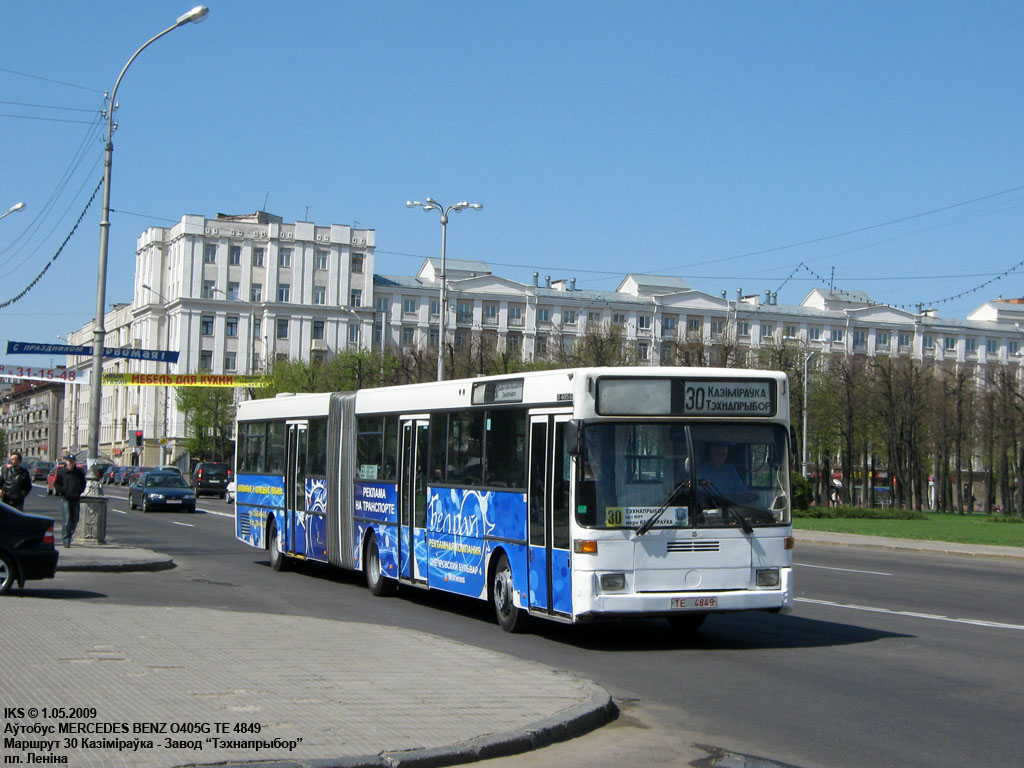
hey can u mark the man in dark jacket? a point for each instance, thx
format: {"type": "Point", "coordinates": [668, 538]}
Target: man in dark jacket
{"type": "Point", "coordinates": [71, 481]}
{"type": "Point", "coordinates": [15, 483]}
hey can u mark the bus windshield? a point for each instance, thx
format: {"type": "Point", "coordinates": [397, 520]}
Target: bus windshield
{"type": "Point", "coordinates": [687, 475]}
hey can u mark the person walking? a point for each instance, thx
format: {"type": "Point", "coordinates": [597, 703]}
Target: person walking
{"type": "Point", "coordinates": [16, 482]}
{"type": "Point", "coordinates": [71, 481]}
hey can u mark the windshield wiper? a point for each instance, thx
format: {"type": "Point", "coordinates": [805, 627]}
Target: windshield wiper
{"type": "Point", "coordinates": [716, 497]}
{"type": "Point", "coordinates": [681, 486]}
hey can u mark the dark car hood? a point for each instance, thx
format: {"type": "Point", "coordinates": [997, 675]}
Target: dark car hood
{"type": "Point", "coordinates": [17, 528]}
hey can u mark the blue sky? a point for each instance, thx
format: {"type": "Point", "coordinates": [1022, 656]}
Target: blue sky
{"type": "Point", "coordinates": [699, 139]}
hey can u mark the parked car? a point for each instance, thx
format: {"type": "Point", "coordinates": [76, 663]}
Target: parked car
{"type": "Point", "coordinates": [170, 468]}
{"type": "Point", "coordinates": [121, 475]}
{"type": "Point", "coordinates": [40, 469]}
{"type": "Point", "coordinates": [211, 477]}
{"type": "Point", "coordinates": [26, 548]}
{"type": "Point", "coordinates": [134, 474]}
{"type": "Point", "coordinates": [51, 478]}
{"type": "Point", "coordinates": [161, 490]}
{"type": "Point", "coordinates": [108, 476]}
{"type": "Point", "coordinates": [229, 493]}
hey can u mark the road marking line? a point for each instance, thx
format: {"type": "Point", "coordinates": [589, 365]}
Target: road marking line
{"type": "Point", "coordinates": [219, 514]}
{"type": "Point", "coordinates": [912, 614]}
{"type": "Point", "coordinates": [187, 525]}
{"type": "Point", "coordinates": [847, 570]}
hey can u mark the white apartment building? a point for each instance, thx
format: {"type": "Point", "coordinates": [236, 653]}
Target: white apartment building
{"type": "Point", "coordinates": [233, 293]}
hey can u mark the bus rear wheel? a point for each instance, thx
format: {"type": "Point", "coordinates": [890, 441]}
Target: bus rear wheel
{"type": "Point", "coordinates": [510, 618]}
{"type": "Point", "coordinates": [278, 560]}
{"type": "Point", "coordinates": [378, 584]}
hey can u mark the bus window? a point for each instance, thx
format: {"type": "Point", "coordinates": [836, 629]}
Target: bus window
{"type": "Point", "coordinates": [275, 448]}
{"type": "Point", "coordinates": [438, 443]}
{"type": "Point", "coordinates": [316, 463]}
{"type": "Point", "coordinates": [253, 444]}
{"type": "Point", "coordinates": [560, 500]}
{"type": "Point", "coordinates": [390, 466]}
{"type": "Point", "coordinates": [465, 444]}
{"type": "Point", "coordinates": [370, 448]}
{"type": "Point", "coordinates": [506, 449]}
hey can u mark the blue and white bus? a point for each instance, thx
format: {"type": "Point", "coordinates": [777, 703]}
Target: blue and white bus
{"type": "Point", "coordinates": [572, 495]}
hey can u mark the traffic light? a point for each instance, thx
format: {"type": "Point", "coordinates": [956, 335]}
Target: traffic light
{"type": "Point", "coordinates": [138, 437]}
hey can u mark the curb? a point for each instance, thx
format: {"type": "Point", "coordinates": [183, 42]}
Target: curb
{"type": "Point", "coordinates": [573, 722]}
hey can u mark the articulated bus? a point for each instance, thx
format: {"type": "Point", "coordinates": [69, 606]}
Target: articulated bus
{"type": "Point", "coordinates": [572, 495]}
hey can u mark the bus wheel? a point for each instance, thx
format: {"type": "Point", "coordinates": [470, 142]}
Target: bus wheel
{"type": "Point", "coordinates": [510, 618]}
{"type": "Point", "coordinates": [278, 560]}
{"type": "Point", "coordinates": [687, 623]}
{"type": "Point", "coordinates": [378, 584]}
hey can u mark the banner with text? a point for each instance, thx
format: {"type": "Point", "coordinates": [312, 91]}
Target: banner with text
{"type": "Point", "coordinates": [31, 348]}
{"type": "Point", "coordinates": [183, 380]}
{"type": "Point", "coordinates": [59, 375]}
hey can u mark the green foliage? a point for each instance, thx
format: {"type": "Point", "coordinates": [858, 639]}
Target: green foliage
{"type": "Point", "coordinates": [209, 416]}
{"type": "Point", "coordinates": [859, 513]}
{"type": "Point", "coordinates": [1003, 519]}
{"type": "Point", "coordinates": [802, 489]}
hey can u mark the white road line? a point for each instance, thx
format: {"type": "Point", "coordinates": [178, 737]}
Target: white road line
{"type": "Point", "coordinates": [187, 525]}
{"type": "Point", "coordinates": [847, 570]}
{"type": "Point", "coordinates": [219, 514]}
{"type": "Point", "coordinates": [912, 614]}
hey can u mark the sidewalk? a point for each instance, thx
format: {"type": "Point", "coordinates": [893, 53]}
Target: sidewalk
{"type": "Point", "coordinates": [184, 686]}
{"type": "Point", "coordinates": [918, 545]}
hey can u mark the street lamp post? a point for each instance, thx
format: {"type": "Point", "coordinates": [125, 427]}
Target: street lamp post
{"type": "Point", "coordinates": [807, 359]}
{"type": "Point", "coordinates": [99, 332]}
{"type": "Point", "coordinates": [433, 205]}
{"type": "Point", "coordinates": [14, 208]}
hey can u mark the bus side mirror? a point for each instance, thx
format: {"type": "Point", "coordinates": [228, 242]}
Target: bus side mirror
{"type": "Point", "coordinates": [574, 437]}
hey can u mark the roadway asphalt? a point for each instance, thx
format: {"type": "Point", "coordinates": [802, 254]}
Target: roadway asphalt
{"type": "Point", "coordinates": [215, 686]}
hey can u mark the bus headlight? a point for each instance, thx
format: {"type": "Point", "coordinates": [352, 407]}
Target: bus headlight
{"type": "Point", "coordinates": [613, 582]}
{"type": "Point", "coordinates": [768, 577]}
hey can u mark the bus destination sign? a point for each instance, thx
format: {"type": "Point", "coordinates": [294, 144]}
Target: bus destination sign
{"type": "Point", "coordinates": [737, 397]}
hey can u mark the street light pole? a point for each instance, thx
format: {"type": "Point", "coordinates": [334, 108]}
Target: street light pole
{"type": "Point", "coordinates": [807, 359]}
{"type": "Point", "coordinates": [432, 205]}
{"type": "Point", "coordinates": [14, 208]}
{"type": "Point", "coordinates": [99, 332]}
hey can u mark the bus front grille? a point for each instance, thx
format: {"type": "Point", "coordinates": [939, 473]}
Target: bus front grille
{"type": "Point", "coordinates": [693, 546]}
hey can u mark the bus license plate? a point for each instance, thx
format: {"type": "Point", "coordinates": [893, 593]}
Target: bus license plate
{"type": "Point", "coordinates": [690, 603]}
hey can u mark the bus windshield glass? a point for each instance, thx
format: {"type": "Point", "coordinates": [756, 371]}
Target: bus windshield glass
{"type": "Point", "coordinates": [686, 475]}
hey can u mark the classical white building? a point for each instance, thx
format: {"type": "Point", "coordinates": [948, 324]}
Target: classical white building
{"type": "Point", "coordinates": [233, 293]}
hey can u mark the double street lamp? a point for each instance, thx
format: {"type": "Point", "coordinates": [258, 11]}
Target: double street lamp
{"type": "Point", "coordinates": [99, 332]}
{"type": "Point", "coordinates": [432, 205]}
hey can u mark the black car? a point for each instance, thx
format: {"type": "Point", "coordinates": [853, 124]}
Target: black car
{"type": "Point", "coordinates": [40, 470]}
{"type": "Point", "coordinates": [211, 477]}
{"type": "Point", "coordinates": [26, 548]}
{"type": "Point", "coordinates": [161, 490]}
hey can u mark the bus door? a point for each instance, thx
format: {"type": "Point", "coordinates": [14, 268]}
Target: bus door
{"type": "Point", "coordinates": [548, 489]}
{"type": "Point", "coordinates": [295, 538]}
{"type": "Point", "coordinates": [412, 499]}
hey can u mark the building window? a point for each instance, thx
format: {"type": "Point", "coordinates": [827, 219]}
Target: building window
{"type": "Point", "coordinates": [695, 324]}
{"type": "Point", "coordinates": [717, 327]}
{"type": "Point", "coordinates": [882, 339]}
{"type": "Point", "coordinates": [543, 315]}
{"type": "Point", "coordinates": [618, 318]}
{"type": "Point", "coordinates": [206, 325]}
{"type": "Point", "coordinates": [353, 333]}
{"type": "Point", "coordinates": [231, 326]}
{"type": "Point", "coordinates": [790, 332]}
{"type": "Point", "coordinates": [514, 341]}
{"type": "Point", "coordinates": [669, 324]}
{"type": "Point", "coordinates": [929, 341]}
{"type": "Point", "coordinates": [318, 330]}
{"type": "Point", "coordinates": [208, 289]}
{"type": "Point", "coordinates": [257, 327]}
{"type": "Point", "coordinates": [320, 261]}
{"type": "Point", "coordinates": [905, 340]}
{"type": "Point", "coordinates": [235, 255]}
{"type": "Point", "coordinates": [435, 307]}
{"type": "Point", "coordinates": [383, 304]}
{"type": "Point", "coordinates": [569, 316]}
{"type": "Point", "coordinates": [991, 346]}
{"type": "Point", "coordinates": [284, 257]}
{"type": "Point", "coordinates": [409, 306]}
{"type": "Point", "coordinates": [229, 361]}
{"type": "Point", "coordinates": [838, 335]}
{"type": "Point", "coordinates": [233, 291]}
{"type": "Point", "coordinates": [743, 328]}
{"type": "Point", "coordinates": [256, 292]}
{"type": "Point", "coordinates": [542, 346]}
{"type": "Point", "coordinates": [408, 335]}
{"type": "Point", "coordinates": [319, 294]}
{"type": "Point", "coordinates": [814, 334]}
{"type": "Point", "coordinates": [515, 314]}
{"type": "Point", "coordinates": [464, 311]}
{"type": "Point", "coordinates": [356, 298]}
{"type": "Point", "coordinates": [971, 346]}
{"type": "Point", "coordinates": [1012, 347]}
{"type": "Point", "coordinates": [949, 343]}
{"type": "Point", "coordinates": [860, 338]}
{"type": "Point", "coordinates": [284, 292]}
{"type": "Point", "coordinates": [205, 360]}
{"type": "Point", "coordinates": [643, 350]}
{"type": "Point", "coordinates": [490, 312]}
{"type": "Point", "coordinates": [257, 257]}
{"type": "Point", "coordinates": [209, 253]}
{"type": "Point", "coordinates": [357, 263]}
{"type": "Point", "coordinates": [282, 328]}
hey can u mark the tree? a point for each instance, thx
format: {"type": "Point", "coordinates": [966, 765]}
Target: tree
{"type": "Point", "coordinates": [209, 420]}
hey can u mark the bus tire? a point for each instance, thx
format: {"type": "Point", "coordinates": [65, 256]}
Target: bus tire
{"type": "Point", "coordinates": [278, 559]}
{"type": "Point", "coordinates": [687, 623]}
{"type": "Point", "coordinates": [510, 618]}
{"type": "Point", "coordinates": [378, 584]}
